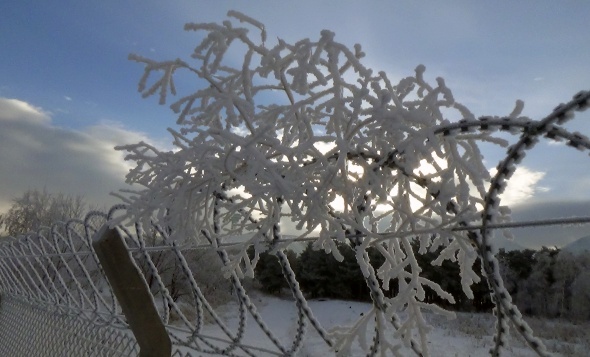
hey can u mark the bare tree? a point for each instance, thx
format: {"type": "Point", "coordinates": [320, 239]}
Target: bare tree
{"type": "Point", "coordinates": [204, 267]}
{"type": "Point", "coordinates": [35, 208]}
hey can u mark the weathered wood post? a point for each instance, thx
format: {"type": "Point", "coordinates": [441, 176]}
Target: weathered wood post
{"type": "Point", "coordinates": [132, 293]}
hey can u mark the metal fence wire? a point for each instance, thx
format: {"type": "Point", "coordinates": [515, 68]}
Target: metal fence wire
{"type": "Point", "coordinates": [54, 299]}
{"type": "Point", "coordinates": [30, 330]}
{"type": "Point", "coordinates": [57, 297]}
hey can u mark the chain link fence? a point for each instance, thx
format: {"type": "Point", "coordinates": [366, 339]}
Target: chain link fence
{"type": "Point", "coordinates": [57, 300]}
{"type": "Point", "coordinates": [30, 330]}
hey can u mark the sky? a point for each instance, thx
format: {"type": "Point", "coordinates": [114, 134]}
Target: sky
{"type": "Point", "coordinates": [68, 93]}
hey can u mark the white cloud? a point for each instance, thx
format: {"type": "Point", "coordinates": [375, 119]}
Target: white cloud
{"type": "Point", "coordinates": [522, 186]}
{"type": "Point", "coordinates": [555, 143]}
{"type": "Point", "coordinates": [16, 110]}
{"type": "Point", "coordinates": [37, 154]}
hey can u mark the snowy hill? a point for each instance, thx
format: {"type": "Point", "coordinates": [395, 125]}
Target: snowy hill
{"type": "Point", "coordinates": [578, 246]}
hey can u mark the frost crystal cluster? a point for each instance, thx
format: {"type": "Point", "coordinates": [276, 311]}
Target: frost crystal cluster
{"type": "Point", "coordinates": [304, 135]}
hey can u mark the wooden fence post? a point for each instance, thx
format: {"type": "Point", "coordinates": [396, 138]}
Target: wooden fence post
{"type": "Point", "coordinates": [132, 293]}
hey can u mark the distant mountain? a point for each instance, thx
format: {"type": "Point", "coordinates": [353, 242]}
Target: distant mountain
{"type": "Point", "coordinates": [507, 245]}
{"type": "Point", "coordinates": [298, 247]}
{"type": "Point", "coordinates": [578, 246]}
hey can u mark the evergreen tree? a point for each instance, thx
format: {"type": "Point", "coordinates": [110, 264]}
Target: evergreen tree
{"type": "Point", "coordinates": [538, 296]}
{"type": "Point", "coordinates": [580, 298]}
{"type": "Point", "coordinates": [269, 272]}
{"type": "Point", "coordinates": [565, 271]}
{"type": "Point", "coordinates": [516, 267]}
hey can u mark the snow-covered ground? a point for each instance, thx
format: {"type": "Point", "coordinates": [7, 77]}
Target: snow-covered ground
{"type": "Point", "coordinates": [469, 334]}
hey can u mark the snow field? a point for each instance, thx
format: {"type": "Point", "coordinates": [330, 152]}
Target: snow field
{"type": "Point", "coordinates": [469, 334]}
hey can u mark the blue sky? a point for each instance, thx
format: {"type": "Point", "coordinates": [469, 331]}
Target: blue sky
{"type": "Point", "coordinates": [68, 93]}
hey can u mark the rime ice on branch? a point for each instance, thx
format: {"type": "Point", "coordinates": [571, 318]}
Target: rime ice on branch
{"type": "Point", "coordinates": [304, 132]}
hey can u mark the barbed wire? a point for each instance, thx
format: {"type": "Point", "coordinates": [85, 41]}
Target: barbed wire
{"type": "Point", "coordinates": [56, 269]}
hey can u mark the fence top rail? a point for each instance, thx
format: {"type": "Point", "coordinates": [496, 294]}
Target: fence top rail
{"type": "Point", "coordinates": [378, 237]}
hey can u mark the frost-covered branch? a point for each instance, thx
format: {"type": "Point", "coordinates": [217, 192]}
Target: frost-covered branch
{"type": "Point", "coordinates": [304, 132]}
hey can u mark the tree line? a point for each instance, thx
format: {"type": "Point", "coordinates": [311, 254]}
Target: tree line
{"type": "Point", "coordinates": [320, 275]}
{"type": "Point", "coordinates": [547, 283]}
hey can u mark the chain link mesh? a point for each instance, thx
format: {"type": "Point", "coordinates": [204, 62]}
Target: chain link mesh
{"type": "Point", "coordinates": [29, 330]}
